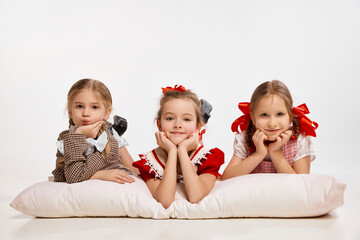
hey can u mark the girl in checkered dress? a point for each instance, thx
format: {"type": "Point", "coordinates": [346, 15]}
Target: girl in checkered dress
{"type": "Point", "coordinates": [90, 148]}
{"type": "Point", "coordinates": [274, 136]}
{"type": "Point", "coordinates": [180, 155]}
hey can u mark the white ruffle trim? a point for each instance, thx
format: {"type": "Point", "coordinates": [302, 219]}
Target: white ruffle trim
{"type": "Point", "coordinates": [152, 167]}
{"type": "Point", "coordinates": [201, 157]}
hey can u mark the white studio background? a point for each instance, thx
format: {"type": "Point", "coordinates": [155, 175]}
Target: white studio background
{"type": "Point", "coordinates": [221, 50]}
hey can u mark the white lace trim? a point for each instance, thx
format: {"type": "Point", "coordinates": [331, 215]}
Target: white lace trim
{"type": "Point", "coordinates": [152, 167]}
{"type": "Point", "coordinates": [202, 155]}
{"type": "Point", "coordinates": [156, 168]}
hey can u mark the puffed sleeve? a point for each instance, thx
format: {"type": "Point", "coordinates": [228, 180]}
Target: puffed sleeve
{"type": "Point", "coordinates": [145, 170]}
{"type": "Point", "coordinates": [211, 162]}
{"type": "Point", "coordinates": [240, 146]}
{"type": "Point", "coordinates": [304, 148]}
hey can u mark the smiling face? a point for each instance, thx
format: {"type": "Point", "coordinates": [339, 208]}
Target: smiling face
{"type": "Point", "coordinates": [271, 116]}
{"type": "Point", "coordinates": [87, 108]}
{"type": "Point", "coordinates": [178, 119]}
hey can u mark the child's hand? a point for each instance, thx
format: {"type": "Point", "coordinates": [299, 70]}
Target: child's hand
{"type": "Point", "coordinates": [259, 138]}
{"type": "Point", "coordinates": [113, 175]}
{"type": "Point", "coordinates": [164, 142]}
{"type": "Point", "coordinates": [192, 142]}
{"type": "Point", "coordinates": [280, 141]}
{"type": "Point", "coordinates": [90, 131]}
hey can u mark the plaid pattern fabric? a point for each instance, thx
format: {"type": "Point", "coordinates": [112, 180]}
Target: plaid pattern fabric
{"type": "Point", "coordinates": [78, 166]}
{"type": "Point", "coordinates": [289, 150]}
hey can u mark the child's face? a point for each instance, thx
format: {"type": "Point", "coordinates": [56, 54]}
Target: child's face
{"type": "Point", "coordinates": [271, 116]}
{"type": "Point", "coordinates": [178, 120]}
{"type": "Point", "coordinates": [87, 108]}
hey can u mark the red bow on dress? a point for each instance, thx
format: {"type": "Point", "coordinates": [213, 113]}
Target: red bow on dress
{"type": "Point", "coordinates": [242, 121]}
{"type": "Point", "coordinates": [178, 88]}
{"type": "Point", "coordinates": [307, 126]}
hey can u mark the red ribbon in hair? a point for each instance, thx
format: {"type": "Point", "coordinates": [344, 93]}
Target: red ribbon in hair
{"type": "Point", "coordinates": [242, 121]}
{"type": "Point", "coordinates": [178, 88]}
{"type": "Point", "coordinates": [201, 134]}
{"type": "Point", "coordinates": [307, 126]}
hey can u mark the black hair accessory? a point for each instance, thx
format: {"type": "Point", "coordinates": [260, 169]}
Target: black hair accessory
{"type": "Point", "coordinates": [120, 125]}
{"type": "Point", "coordinates": [205, 110]}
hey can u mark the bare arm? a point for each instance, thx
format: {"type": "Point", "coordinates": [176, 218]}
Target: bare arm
{"type": "Point", "coordinates": [301, 166]}
{"type": "Point", "coordinates": [279, 160]}
{"type": "Point", "coordinates": [197, 186]}
{"type": "Point", "coordinates": [127, 160]}
{"type": "Point", "coordinates": [113, 175]}
{"type": "Point", "coordinates": [239, 166]}
{"type": "Point", "coordinates": [164, 190]}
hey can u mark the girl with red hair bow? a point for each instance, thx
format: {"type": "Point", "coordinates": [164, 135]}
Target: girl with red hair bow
{"type": "Point", "coordinates": [272, 136]}
{"type": "Point", "coordinates": [180, 155]}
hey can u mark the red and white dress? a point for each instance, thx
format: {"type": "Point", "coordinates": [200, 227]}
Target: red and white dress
{"type": "Point", "coordinates": [293, 150]}
{"type": "Point", "coordinates": [152, 164]}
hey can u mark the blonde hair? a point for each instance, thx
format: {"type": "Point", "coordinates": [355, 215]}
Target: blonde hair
{"type": "Point", "coordinates": [188, 94]}
{"type": "Point", "coordinates": [98, 87]}
{"type": "Point", "coordinates": [274, 87]}
{"type": "Point", "coordinates": [101, 91]}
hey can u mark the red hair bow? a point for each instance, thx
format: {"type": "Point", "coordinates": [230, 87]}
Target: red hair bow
{"type": "Point", "coordinates": [201, 134]}
{"type": "Point", "coordinates": [306, 125]}
{"type": "Point", "coordinates": [242, 121]}
{"type": "Point", "coordinates": [178, 88]}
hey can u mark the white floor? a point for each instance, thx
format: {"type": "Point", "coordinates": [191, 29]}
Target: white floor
{"type": "Point", "coordinates": [340, 224]}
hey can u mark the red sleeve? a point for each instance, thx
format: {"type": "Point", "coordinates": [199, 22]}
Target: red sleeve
{"type": "Point", "coordinates": [212, 162]}
{"type": "Point", "coordinates": [145, 171]}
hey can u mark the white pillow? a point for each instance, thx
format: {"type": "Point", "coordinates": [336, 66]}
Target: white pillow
{"type": "Point", "coordinates": [254, 195]}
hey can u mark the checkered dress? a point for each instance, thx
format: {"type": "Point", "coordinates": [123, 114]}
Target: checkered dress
{"type": "Point", "coordinates": [77, 166]}
{"type": "Point", "coordinates": [289, 149]}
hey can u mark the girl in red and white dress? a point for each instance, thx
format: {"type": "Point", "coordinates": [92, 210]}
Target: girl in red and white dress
{"type": "Point", "coordinates": [274, 137]}
{"type": "Point", "coordinates": [180, 155]}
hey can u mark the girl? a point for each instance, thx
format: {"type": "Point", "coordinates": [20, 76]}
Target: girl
{"type": "Point", "coordinates": [88, 150]}
{"type": "Point", "coordinates": [277, 134]}
{"type": "Point", "coordinates": [180, 154]}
